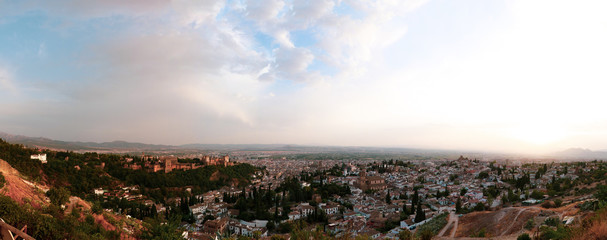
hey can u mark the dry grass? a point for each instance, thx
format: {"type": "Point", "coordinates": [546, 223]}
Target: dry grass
{"type": "Point", "coordinates": [593, 228]}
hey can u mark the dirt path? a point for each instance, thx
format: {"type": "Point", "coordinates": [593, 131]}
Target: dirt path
{"type": "Point", "coordinates": [453, 219]}
{"type": "Point", "coordinates": [513, 221]}
{"type": "Point", "coordinates": [442, 231]}
{"type": "Point", "coordinates": [455, 226]}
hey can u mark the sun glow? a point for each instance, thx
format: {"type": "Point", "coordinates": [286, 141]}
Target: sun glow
{"type": "Point", "coordinates": [538, 134]}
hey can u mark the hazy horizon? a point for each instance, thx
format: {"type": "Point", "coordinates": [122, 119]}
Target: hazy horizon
{"type": "Point", "coordinates": [500, 76]}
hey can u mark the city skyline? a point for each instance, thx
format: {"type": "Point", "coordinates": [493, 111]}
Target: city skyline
{"type": "Point", "coordinates": [517, 76]}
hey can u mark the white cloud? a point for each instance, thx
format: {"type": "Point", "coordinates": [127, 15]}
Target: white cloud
{"type": "Point", "coordinates": [197, 12]}
{"type": "Point", "coordinates": [264, 10]}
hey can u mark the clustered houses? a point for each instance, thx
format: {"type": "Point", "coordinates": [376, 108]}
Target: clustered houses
{"type": "Point", "coordinates": [248, 229]}
{"type": "Point", "coordinates": [169, 163]}
{"type": "Point", "coordinates": [438, 185]}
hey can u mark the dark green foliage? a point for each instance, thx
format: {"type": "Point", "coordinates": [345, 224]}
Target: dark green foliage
{"type": "Point", "coordinates": [433, 226]}
{"type": "Point", "coordinates": [58, 196]}
{"type": "Point", "coordinates": [463, 191]}
{"type": "Point", "coordinates": [480, 234]}
{"type": "Point", "coordinates": [271, 225]}
{"type": "Point", "coordinates": [2, 180]}
{"type": "Point", "coordinates": [529, 224]}
{"type": "Point", "coordinates": [419, 215]}
{"type": "Point", "coordinates": [285, 227]}
{"type": "Point", "coordinates": [405, 234]}
{"type": "Point", "coordinates": [388, 225]}
{"type": "Point", "coordinates": [41, 225]}
{"type": "Point", "coordinates": [601, 193]}
{"type": "Point", "coordinates": [537, 194]}
{"type": "Point", "coordinates": [426, 234]}
{"type": "Point", "coordinates": [483, 175]}
{"type": "Point", "coordinates": [479, 207]}
{"type": "Point", "coordinates": [552, 221]}
{"type": "Point", "coordinates": [156, 229]}
{"type": "Point", "coordinates": [458, 206]}
{"type": "Point", "coordinates": [561, 232]}
{"type": "Point", "coordinates": [19, 158]}
{"type": "Point", "coordinates": [523, 236]}
{"type": "Point", "coordinates": [492, 192]}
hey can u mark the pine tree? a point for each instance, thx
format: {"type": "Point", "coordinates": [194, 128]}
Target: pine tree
{"type": "Point", "coordinates": [458, 206]}
{"type": "Point", "coordinates": [420, 215]}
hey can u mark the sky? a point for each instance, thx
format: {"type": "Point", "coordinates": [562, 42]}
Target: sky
{"type": "Point", "coordinates": [520, 76]}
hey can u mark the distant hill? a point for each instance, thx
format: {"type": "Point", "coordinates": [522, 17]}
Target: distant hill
{"type": "Point", "coordinates": [581, 153]}
{"type": "Point", "coordinates": [40, 142]}
{"type": "Point", "coordinates": [131, 147]}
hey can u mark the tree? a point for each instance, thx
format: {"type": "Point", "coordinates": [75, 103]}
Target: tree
{"type": "Point", "coordinates": [458, 206]}
{"type": "Point", "coordinates": [530, 224]}
{"type": "Point", "coordinates": [420, 215]}
{"type": "Point", "coordinates": [426, 234]}
{"type": "Point", "coordinates": [155, 229]}
{"type": "Point", "coordinates": [537, 195]}
{"type": "Point", "coordinates": [405, 234]}
{"type": "Point", "coordinates": [479, 207]}
{"type": "Point", "coordinates": [463, 191]}
{"type": "Point", "coordinates": [271, 225]}
{"type": "Point", "coordinates": [58, 196]}
{"type": "Point", "coordinates": [2, 180]}
{"type": "Point", "coordinates": [523, 236]}
{"type": "Point", "coordinates": [388, 198]}
{"type": "Point", "coordinates": [601, 194]}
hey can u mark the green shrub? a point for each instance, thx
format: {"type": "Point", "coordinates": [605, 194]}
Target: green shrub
{"type": "Point", "coordinates": [2, 180]}
{"type": "Point", "coordinates": [523, 236]}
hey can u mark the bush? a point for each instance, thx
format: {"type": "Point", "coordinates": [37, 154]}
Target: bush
{"type": "Point", "coordinates": [548, 204]}
{"type": "Point", "coordinates": [523, 236]}
{"type": "Point", "coordinates": [405, 234]}
{"type": "Point", "coordinates": [530, 224]}
{"type": "Point", "coordinates": [58, 196]}
{"type": "Point", "coordinates": [537, 195]}
{"type": "Point", "coordinates": [426, 234]}
{"type": "Point", "coordinates": [551, 221]}
{"type": "Point", "coordinates": [434, 226]}
{"type": "Point", "coordinates": [2, 180]}
{"type": "Point", "coordinates": [481, 233]}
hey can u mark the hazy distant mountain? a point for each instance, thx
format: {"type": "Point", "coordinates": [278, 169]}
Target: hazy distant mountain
{"type": "Point", "coordinates": [123, 146]}
{"type": "Point", "coordinates": [41, 142]}
{"type": "Point", "coordinates": [581, 153]}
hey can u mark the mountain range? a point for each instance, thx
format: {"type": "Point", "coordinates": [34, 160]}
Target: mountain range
{"type": "Point", "coordinates": [124, 146]}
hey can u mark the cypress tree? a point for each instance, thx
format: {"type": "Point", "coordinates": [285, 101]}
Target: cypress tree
{"type": "Point", "coordinates": [420, 215]}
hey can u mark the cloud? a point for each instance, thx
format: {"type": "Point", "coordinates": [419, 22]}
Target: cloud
{"type": "Point", "coordinates": [264, 10]}
{"type": "Point", "coordinates": [292, 63]}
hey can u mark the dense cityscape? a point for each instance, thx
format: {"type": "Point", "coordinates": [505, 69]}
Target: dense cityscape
{"type": "Point", "coordinates": [303, 119]}
{"type": "Point", "coordinates": [279, 195]}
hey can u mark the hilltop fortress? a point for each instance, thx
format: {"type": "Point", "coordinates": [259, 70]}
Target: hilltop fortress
{"type": "Point", "coordinates": [169, 163]}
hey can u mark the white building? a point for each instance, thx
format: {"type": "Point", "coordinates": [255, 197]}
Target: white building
{"type": "Point", "coordinates": [99, 191]}
{"type": "Point", "coordinates": [41, 157]}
